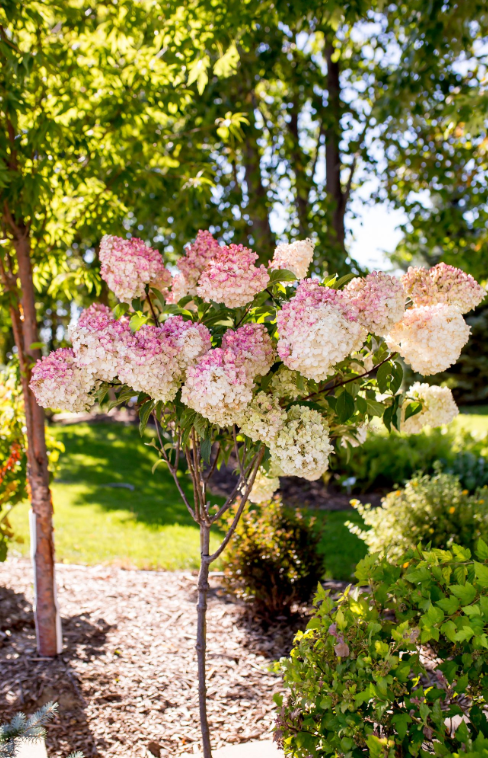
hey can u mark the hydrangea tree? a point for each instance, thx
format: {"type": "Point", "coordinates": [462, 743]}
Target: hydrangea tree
{"type": "Point", "coordinates": [262, 364]}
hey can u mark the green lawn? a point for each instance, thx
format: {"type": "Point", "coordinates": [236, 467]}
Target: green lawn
{"type": "Point", "coordinates": [147, 527]}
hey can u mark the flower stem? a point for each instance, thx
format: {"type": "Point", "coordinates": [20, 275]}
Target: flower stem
{"type": "Point", "coordinates": [201, 645]}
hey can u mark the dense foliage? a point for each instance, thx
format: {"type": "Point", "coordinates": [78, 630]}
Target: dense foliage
{"type": "Point", "coordinates": [387, 671]}
{"type": "Point", "coordinates": [430, 510]}
{"type": "Point", "coordinates": [274, 560]}
{"type": "Point", "coordinates": [383, 461]}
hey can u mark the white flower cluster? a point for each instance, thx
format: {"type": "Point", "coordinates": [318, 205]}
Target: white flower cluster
{"type": "Point", "coordinates": [302, 446]}
{"type": "Point", "coordinates": [438, 408]}
{"type": "Point", "coordinates": [296, 257]}
{"type": "Point", "coordinates": [356, 437]}
{"type": "Point", "coordinates": [263, 418]}
{"type": "Point", "coordinates": [57, 382]}
{"type": "Point", "coordinates": [218, 387]}
{"type": "Point", "coordinates": [263, 488]}
{"type": "Point", "coordinates": [285, 383]}
{"type": "Point", "coordinates": [430, 338]}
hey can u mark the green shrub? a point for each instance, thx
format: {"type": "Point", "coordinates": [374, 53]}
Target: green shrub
{"type": "Point", "coordinates": [429, 510]}
{"type": "Point", "coordinates": [380, 672]}
{"type": "Point", "coordinates": [386, 461]}
{"type": "Point", "coordinates": [274, 560]}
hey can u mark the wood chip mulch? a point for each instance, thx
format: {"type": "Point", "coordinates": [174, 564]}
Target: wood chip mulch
{"type": "Point", "coordinates": [126, 680]}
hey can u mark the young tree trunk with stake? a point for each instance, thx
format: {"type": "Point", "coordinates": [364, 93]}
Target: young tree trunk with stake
{"type": "Point", "coordinates": [24, 323]}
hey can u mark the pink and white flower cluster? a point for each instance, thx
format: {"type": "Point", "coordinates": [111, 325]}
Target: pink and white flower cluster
{"type": "Point", "coordinates": [379, 299]}
{"type": "Point", "coordinates": [430, 338]}
{"type": "Point", "coordinates": [219, 385]}
{"type": "Point", "coordinates": [317, 329]}
{"type": "Point", "coordinates": [296, 257]}
{"type": "Point", "coordinates": [263, 418]}
{"type": "Point", "coordinates": [231, 277]}
{"type": "Point", "coordinates": [438, 407]}
{"type": "Point", "coordinates": [129, 266]}
{"type": "Point", "coordinates": [443, 284]}
{"type": "Point", "coordinates": [58, 382]}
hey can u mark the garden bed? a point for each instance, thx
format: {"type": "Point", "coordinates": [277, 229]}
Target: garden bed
{"type": "Point", "coordinates": [126, 680]}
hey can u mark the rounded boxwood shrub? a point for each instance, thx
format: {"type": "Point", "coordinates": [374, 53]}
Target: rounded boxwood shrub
{"type": "Point", "coordinates": [396, 669]}
{"type": "Point", "coordinates": [433, 510]}
{"type": "Point", "coordinates": [274, 560]}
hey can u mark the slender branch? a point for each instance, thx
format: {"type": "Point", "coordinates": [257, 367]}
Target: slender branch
{"type": "Point", "coordinates": [256, 463]}
{"type": "Point", "coordinates": [173, 471]}
{"type": "Point", "coordinates": [225, 507]}
{"type": "Point", "coordinates": [156, 320]}
{"type": "Point", "coordinates": [236, 448]}
{"type": "Point", "coordinates": [353, 379]}
{"type": "Point", "coordinates": [209, 473]}
{"type": "Point", "coordinates": [196, 499]}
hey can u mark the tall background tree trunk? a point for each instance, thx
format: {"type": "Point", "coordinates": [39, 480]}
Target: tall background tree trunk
{"type": "Point", "coordinates": [258, 203]}
{"type": "Point", "coordinates": [332, 151]}
{"type": "Point", "coordinates": [48, 626]}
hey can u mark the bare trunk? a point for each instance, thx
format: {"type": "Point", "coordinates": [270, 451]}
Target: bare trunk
{"type": "Point", "coordinates": [26, 334]}
{"type": "Point", "coordinates": [201, 645]}
{"type": "Point", "coordinates": [332, 150]}
{"type": "Point", "coordinates": [301, 182]}
{"type": "Point", "coordinates": [257, 205]}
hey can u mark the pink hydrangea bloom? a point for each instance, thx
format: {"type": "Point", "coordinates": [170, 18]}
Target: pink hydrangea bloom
{"type": "Point", "coordinates": [252, 346]}
{"type": "Point", "coordinates": [430, 338]}
{"type": "Point", "coordinates": [318, 328]}
{"type": "Point", "coordinates": [128, 266]}
{"type": "Point", "coordinates": [232, 278]}
{"type": "Point", "coordinates": [190, 340]}
{"type": "Point", "coordinates": [179, 288]}
{"type": "Point", "coordinates": [296, 256]}
{"type": "Point", "coordinates": [100, 341]}
{"type": "Point", "coordinates": [443, 284]}
{"type": "Point", "coordinates": [151, 364]}
{"type": "Point", "coordinates": [218, 387]}
{"type": "Point", "coordinates": [57, 382]}
{"type": "Point", "coordinates": [380, 301]}
{"type": "Point", "coordinates": [194, 262]}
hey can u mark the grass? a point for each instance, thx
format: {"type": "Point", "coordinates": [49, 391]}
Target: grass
{"type": "Point", "coordinates": [147, 527]}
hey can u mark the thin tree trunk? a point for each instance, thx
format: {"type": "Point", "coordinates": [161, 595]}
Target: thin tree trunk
{"type": "Point", "coordinates": [26, 334]}
{"type": "Point", "coordinates": [332, 150]}
{"type": "Point", "coordinates": [201, 645]}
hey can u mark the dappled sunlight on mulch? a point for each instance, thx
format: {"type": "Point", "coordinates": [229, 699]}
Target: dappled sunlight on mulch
{"type": "Point", "coordinates": [127, 676]}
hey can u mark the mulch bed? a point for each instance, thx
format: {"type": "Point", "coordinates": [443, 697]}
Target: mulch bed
{"type": "Point", "coordinates": [126, 681]}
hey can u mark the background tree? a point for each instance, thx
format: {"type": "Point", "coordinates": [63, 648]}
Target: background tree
{"type": "Point", "coordinates": [90, 94]}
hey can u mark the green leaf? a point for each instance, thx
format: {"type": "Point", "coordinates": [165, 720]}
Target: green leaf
{"type": "Point", "coordinates": [482, 550]}
{"type": "Point", "coordinates": [481, 572]}
{"type": "Point", "coordinates": [119, 310]}
{"type": "Point", "coordinates": [227, 64]}
{"type": "Point", "coordinates": [199, 74]}
{"type": "Point", "coordinates": [449, 604]}
{"type": "Point", "coordinates": [136, 321]}
{"type": "Point", "coordinates": [281, 275]}
{"type": "Point", "coordinates": [160, 460]}
{"type": "Point", "coordinates": [466, 593]}
{"type": "Point", "coordinates": [36, 346]}
{"type": "Point", "coordinates": [375, 408]}
{"type": "Point", "coordinates": [401, 721]}
{"type": "Point", "coordinates": [206, 449]}
{"type": "Point", "coordinates": [343, 280]}
{"type": "Point", "coordinates": [396, 377]}
{"type": "Point", "coordinates": [144, 413]}
{"type": "Point", "coordinates": [383, 376]}
{"type": "Point", "coordinates": [345, 406]}
{"type": "Point", "coordinates": [412, 409]}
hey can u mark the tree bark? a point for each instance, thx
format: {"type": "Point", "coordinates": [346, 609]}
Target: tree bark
{"type": "Point", "coordinates": [301, 183]}
{"type": "Point", "coordinates": [48, 630]}
{"type": "Point", "coordinates": [201, 645]}
{"type": "Point", "coordinates": [332, 150]}
{"type": "Point", "coordinates": [257, 204]}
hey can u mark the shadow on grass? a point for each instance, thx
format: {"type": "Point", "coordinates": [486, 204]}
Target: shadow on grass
{"type": "Point", "coordinates": [112, 454]}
